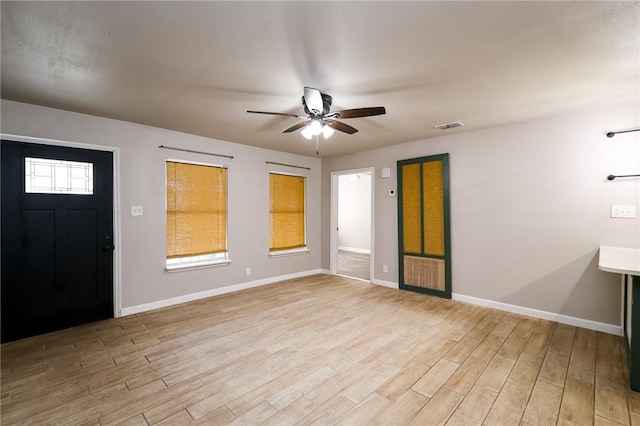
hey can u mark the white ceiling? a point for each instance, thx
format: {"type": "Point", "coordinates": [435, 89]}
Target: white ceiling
{"type": "Point", "coordinates": [196, 67]}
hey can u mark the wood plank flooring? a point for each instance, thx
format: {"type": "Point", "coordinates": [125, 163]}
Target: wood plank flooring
{"type": "Point", "coordinates": [352, 264]}
{"type": "Point", "coordinates": [322, 350]}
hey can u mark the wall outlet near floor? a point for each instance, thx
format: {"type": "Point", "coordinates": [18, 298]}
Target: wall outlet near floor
{"type": "Point", "coordinates": [136, 211]}
{"type": "Point", "coordinates": [385, 268]}
{"type": "Point", "coordinates": [247, 271]}
{"type": "Point", "coordinates": [623, 211]}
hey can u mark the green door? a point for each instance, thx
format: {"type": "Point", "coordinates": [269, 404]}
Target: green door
{"type": "Point", "coordinates": [424, 246]}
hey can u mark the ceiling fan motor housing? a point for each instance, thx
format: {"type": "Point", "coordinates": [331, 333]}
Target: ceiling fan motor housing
{"type": "Point", "coordinates": [326, 105]}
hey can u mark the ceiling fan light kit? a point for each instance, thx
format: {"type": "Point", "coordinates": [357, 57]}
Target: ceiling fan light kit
{"type": "Point", "coordinates": [320, 118]}
{"type": "Point", "coordinates": [315, 127]}
{"type": "Point", "coordinates": [327, 132]}
{"type": "Point", "coordinates": [306, 132]}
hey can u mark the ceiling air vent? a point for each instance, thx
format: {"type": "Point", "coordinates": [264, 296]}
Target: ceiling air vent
{"type": "Point", "coordinates": [449, 125]}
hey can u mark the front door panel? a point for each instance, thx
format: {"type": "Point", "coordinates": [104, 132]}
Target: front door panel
{"type": "Point", "coordinates": [57, 249]}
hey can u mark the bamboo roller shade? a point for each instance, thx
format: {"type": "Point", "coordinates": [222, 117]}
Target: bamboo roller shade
{"type": "Point", "coordinates": [433, 208]}
{"type": "Point", "coordinates": [286, 212]}
{"type": "Point", "coordinates": [196, 209]}
{"type": "Point", "coordinates": [423, 208]}
{"type": "Point", "coordinates": [411, 224]}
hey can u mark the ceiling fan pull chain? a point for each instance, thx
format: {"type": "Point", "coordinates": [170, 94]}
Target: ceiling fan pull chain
{"type": "Point", "coordinates": [317, 147]}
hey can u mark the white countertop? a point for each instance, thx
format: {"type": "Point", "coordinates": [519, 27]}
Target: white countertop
{"type": "Point", "coordinates": [620, 260]}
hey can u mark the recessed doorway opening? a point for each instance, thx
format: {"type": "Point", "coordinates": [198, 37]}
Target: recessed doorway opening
{"type": "Point", "coordinates": [351, 223]}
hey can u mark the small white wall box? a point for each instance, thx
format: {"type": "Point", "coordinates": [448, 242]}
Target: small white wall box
{"type": "Point", "coordinates": [385, 172]}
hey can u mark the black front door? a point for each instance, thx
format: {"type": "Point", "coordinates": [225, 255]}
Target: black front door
{"type": "Point", "coordinates": [57, 237]}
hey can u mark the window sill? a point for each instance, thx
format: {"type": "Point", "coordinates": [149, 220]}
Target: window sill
{"type": "Point", "coordinates": [199, 265]}
{"type": "Point", "coordinates": [294, 252]}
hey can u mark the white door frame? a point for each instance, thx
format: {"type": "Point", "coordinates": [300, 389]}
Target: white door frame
{"type": "Point", "coordinates": [117, 293]}
{"type": "Point", "coordinates": [333, 235]}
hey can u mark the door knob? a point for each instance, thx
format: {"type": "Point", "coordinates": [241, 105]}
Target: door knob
{"type": "Point", "coordinates": [109, 245]}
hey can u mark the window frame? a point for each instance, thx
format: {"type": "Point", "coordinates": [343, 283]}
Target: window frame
{"type": "Point", "coordinates": [290, 251]}
{"type": "Point", "coordinates": [199, 261]}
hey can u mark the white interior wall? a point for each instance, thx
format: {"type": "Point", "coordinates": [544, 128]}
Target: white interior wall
{"type": "Point", "coordinates": [144, 283]}
{"type": "Point", "coordinates": [354, 212]}
{"type": "Point", "coordinates": [530, 206]}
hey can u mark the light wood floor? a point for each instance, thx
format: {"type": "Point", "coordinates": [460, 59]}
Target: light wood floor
{"type": "Point", "coordinates": [320, 350]}
{"type": "Point", "coordinates": [354, 264]}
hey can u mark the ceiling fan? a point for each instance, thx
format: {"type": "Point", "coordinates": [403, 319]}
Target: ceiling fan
{"type": "Point", "coordinates": [319, 119]}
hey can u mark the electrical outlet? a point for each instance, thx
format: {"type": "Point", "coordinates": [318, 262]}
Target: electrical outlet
{"type": "Point", "coordinates": [385, 268]}
{"type": "Point", "coordinates": [623, 211]}
{"type": "Point", "coordinates": [136, 211]}
{"type": "Point", "coordinates": [247, 271]}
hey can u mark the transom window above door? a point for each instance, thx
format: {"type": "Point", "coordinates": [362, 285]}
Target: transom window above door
{"type": "Point", "coordinates": [47, 176]}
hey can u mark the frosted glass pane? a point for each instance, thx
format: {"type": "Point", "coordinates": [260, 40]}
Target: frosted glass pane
{"type": "Point", "coordinates": [42, 169]}
{"type": "Point", "coordinates": [41, 182]}
{"type": "Point", "coordinates": [61, 179]}
{"type": "Point", "coordinates": [78, 184]}
{"type": "Point", "coordinates": [78, 172]}
{"type": "Point", "coordinates": [45, 176]}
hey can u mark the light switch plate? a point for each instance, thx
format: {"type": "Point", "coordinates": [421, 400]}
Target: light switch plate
{"type": "Point", "coordinates": [623, 211]}
{"type": "Point", "coordinates": [136, 211]}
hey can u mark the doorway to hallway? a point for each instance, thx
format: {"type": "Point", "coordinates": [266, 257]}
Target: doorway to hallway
{"type": "Point", "coordinates": [352, 223]}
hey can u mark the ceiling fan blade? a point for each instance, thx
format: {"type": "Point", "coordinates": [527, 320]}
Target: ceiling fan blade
{"type": "Point", "coordinates": [296, 127]}
{"type": "Point", "coordinates": [313, 99]}
{"type": "Point", "coordinates": [277, 113]}
{"type": "Point", "coordinates": [360, 112]}
{"type": "Point", "coordinates": [340, 126]}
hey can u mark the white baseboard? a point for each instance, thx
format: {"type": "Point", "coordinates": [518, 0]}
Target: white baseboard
{"type": "Point", "coordinates": [215, 292]}
{"type": "Point", "coordinates": [354, 250]}
{"type": "Point", "coordinates": [389, 284]}
{"type": "Point", "coordinates": [535, 313]}
{"type": "Point", "coordinates": [564, 319]}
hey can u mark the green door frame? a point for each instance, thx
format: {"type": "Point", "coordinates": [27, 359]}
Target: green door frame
{"type": "Point", "coordinates": [444, 158]}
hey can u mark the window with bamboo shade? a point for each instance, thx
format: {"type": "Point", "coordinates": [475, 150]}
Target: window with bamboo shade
{"type": "Point", "coordinates": [286, 212]}
{"type": "Point", "coordinates": [196, 214]}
